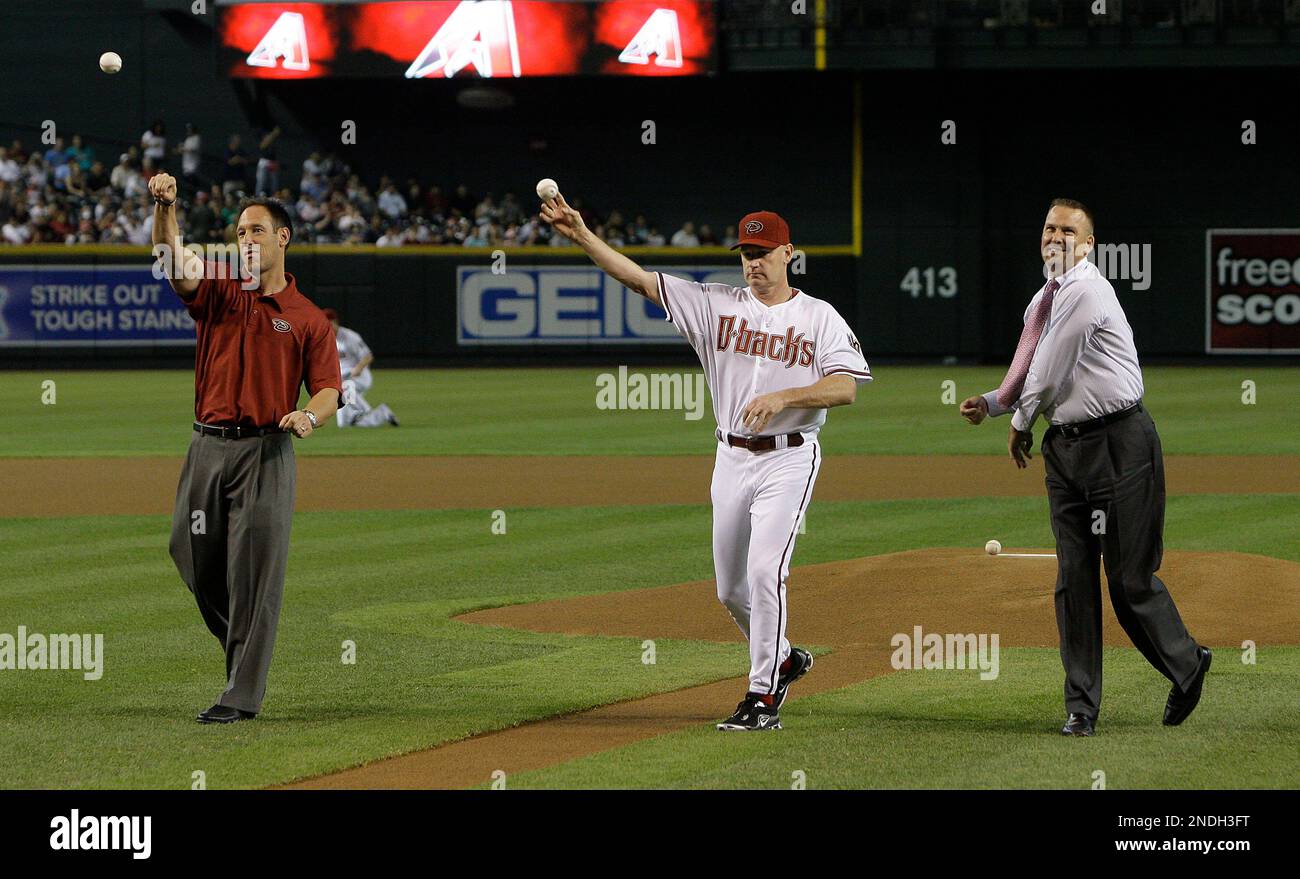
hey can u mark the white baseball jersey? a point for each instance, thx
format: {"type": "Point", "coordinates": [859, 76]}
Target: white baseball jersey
{"type": "Point", "coordinates": [352, 349]}
{"type": "Point", "coordinates": [759, 498]}
{"type": "Point", "coordinates": [748, 348]}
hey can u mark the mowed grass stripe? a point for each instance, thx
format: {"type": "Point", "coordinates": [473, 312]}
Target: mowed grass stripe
{"type": "Point", "coordinates": [907, 410]}
{"type": "Point", "coordinates": [950, 729]}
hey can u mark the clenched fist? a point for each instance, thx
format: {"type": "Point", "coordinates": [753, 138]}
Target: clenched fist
{"type": "Point", "coordinates": [162, 186]}
{"type": "Point", "coordinates": [974, 409]}
{"type": "Point", "coordinates": [563, 218]}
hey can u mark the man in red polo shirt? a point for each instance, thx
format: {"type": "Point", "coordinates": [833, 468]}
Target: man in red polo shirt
{"type": "Point", "coordinates": [259, 341]}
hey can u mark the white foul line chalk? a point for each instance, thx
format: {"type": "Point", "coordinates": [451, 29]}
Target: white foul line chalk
{"type": "Point", "coordinates": [1026, 555]}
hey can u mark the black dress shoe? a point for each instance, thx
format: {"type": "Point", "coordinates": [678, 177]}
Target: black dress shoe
{"type": "Point", "coordinates": [1078, 725]}
{"type": "Point", "coordinates": [1180, 704]}
{"type": "Point", "coordinates": [224, 714]}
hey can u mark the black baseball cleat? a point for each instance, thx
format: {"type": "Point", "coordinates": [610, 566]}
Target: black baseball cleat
{"type": "Point", "coordinates": [752, 716]}
{"type": "Point", "coordinates": [800, 661]}
{"type": "Point", "coordinates": [1078, 725]}
{"type": "Point", "coordinates": [392, 419]}
{"type": "Point", "coordinates": [1181, 704]}
{"type": "Point", "coordinates": [224, 714]}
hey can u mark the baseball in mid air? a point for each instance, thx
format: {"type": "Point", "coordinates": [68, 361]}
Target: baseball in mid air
{"type": "Point", "coordinates": [993, 547]}
{"type": "Point", "coordinates": [110, 62]}
{"type": "Point", "coordinates": [547, 189]}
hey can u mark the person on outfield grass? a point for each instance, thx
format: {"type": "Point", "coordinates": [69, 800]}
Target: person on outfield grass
{"type": "Point", "coordinates": [775, 360]}
{"type": "Point", "coordinates": [355, 358]}
{"type": "Point", "coordinates": [259, 341]}
{"type": "Point", "coordinates": [1077, 366]}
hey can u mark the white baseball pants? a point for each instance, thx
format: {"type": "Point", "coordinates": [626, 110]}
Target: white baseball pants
{"type": "Point", "coordinates": [759, 500]}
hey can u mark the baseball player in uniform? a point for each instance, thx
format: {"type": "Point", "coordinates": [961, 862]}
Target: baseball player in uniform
{"type": "Point", "coordinates": [355, 358]}
{"type": "Point", "coordinates": [775, 359]}
{"type": "Point", "coordinates": [257, 346]}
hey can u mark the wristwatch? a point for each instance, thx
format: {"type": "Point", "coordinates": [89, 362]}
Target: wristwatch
{"type": "Point", "coordinates": [164, 204]}
{"type": "Point", "coordinates": [311, 416]}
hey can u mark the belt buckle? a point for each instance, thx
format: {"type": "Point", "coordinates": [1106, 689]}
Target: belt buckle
{"type": "Point", "coordinates": [749, 443]}
{"type": "Point", "coordinates": [1071, 430]}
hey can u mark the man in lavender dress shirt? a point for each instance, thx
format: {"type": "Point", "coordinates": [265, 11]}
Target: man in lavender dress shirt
{"type": "Point", "coordinates": [1076, 365]}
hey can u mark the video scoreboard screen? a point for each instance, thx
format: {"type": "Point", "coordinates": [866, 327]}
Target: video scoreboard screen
{"type": "Point", "coordinates": [467, 39]}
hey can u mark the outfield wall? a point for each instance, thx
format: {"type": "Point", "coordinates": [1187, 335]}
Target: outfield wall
{"type": "Point", "coordinates": [906, 296]}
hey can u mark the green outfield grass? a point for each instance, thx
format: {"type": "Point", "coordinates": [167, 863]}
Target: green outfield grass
{"type": "Point", "coordinates": [1199, 410]}
{"type": "Point", "coordinates": [949, 729]}
{"type": "Point", "coordinates": [390, 580]}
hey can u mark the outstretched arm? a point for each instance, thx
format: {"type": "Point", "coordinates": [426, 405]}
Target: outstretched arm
{"type": "Point", "coordinates": [182, 267]}
{"type": "Point", "coordinates": [568, 223]}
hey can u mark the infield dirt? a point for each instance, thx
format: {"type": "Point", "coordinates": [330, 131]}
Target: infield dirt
{"type": "Point", "coordinates": [852, 607]}
{"type": "Point", "coordinates": [146, 486]}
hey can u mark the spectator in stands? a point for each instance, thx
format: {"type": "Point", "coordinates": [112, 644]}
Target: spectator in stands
{"type": "Point", "coordinates": [153, 143]}
{"type": "Point", "coordinates": [74, 183]}
{"type": "Point", "coordinates": [9, 170]}
{"type": "Point", "coordinates": [654, 238]}
{"type": "Point", "coordinates": [16, 230]}
{"type": "Point", "coordinates": [97, 178]}
{"type": "Point", "coordinates": [638, 231]}
{"type": "Point", "coordinates": [268, 163]}
{"type": "Point", "coordinates": [707, 238]}
{"type": "Point", "coordinates": [80, 153]}
{"type": "Point", "coordinates": [391, 203]}
{"type": "Point", "coordinates": [392, 237]}
{"type": "Point", "coordinates": [435, 202]}
{"type": "Point", "coordinates": [729, 237]}
{"type": "Point", "coordinates": [56, 155]}
{"type": "Point", "coordinates": [201, 221]}
{"type": "Point", "coordinates": [191, 152]}
{"type": "Point", "coordinates": [512, 213]}
{"type": "Point", "coordinates": [309, 209]}
{"type": "Point", "coordinates": [36, 173]}
{"type": "Point", "coordinates": [685, 236]}
{"type": "Point", "coordinates": [463, 201]}
{"type": "Point", "coordinates": [234, 177]}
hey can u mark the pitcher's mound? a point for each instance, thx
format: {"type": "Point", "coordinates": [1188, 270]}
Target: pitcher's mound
{"type": "Point", "coordinates": [853, 607]}
{"type": "Point", "coordinates": [1224, 598]}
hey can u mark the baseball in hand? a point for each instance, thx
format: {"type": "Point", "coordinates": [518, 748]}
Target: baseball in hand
{"type": "Point", "coordinates": [547, 189]}
{"type": "Point", "coordinates": [110, 62]}
{"type": "Point", "coordinates": [993, 547]}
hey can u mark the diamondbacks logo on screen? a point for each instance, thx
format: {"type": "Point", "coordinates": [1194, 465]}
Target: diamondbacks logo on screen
{"type": "Point", "coordinates": [470, 38]}
{"type": "Point", "coordinates": [1252, 291]}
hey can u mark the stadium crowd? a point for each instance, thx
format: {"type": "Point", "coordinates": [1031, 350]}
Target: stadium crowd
{"type": "Point", "coordinates": [66, 194]}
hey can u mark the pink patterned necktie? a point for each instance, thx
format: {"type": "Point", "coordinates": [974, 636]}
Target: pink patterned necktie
{"type": "Point", "coordinates": [1009, 392]}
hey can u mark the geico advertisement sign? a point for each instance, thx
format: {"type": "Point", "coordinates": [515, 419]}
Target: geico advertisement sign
{"type": "Point", "coordinates": [564, 305]}
{"type": "Point", "coordinates": [1252, 291]}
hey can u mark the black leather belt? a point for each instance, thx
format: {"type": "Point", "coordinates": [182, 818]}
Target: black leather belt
{"type": "Point", "coordinates": [234, 431]}
{"type": "Point", "coordinates": [1079, 428]}
{"type": "Point", "coordinates": [760, 443]}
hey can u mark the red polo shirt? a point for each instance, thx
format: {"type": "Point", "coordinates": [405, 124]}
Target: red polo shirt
{"type": "Point", "coordinates": [255, 352]}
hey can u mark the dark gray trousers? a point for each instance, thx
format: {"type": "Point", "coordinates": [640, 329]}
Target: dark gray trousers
{"type": "Point", "coordinates": [230, 542]}
{"type": "Point", "coordinates": [1117, 469]}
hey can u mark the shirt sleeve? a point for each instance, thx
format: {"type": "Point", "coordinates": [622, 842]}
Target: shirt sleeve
{"type": "Point", "coordinates": [685, 303]}
{"type": "Point", "coordinates": [838, 352]}
{"type": "Point", "coordinates": [1057, 355]}
{"type": "Point", "coordinates": [321, 360]}
{"type": "Point", "coordinates": [209, 297]}
{"type": "Point", "coordinates": [360, 350]}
